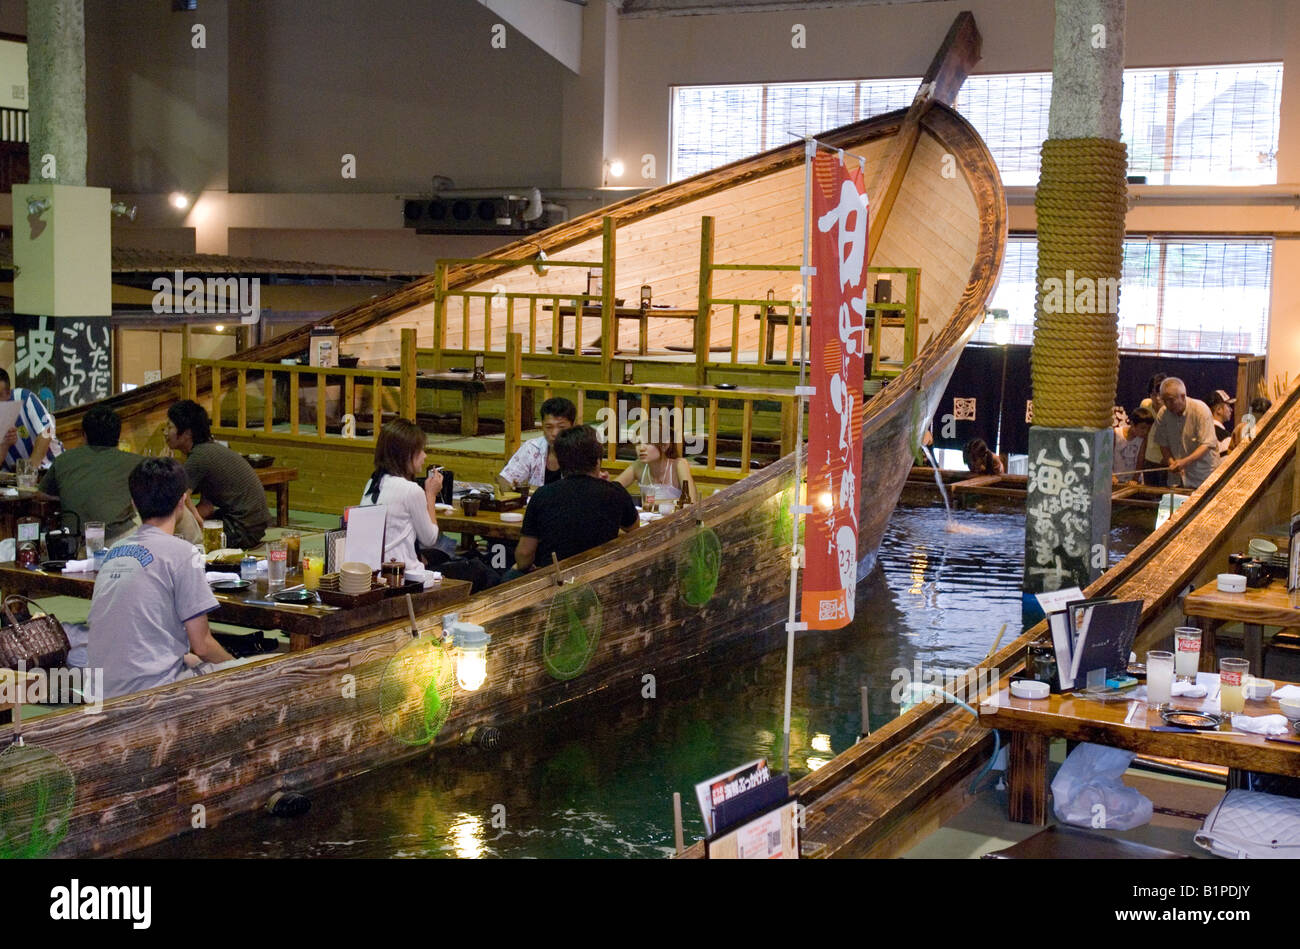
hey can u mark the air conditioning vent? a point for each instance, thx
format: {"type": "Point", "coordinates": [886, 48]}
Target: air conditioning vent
{"type": "Point", "coordinates": [448, 214]}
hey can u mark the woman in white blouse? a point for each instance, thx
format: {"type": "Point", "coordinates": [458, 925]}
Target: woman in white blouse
{"type": "Point", "coordinates": [411, 515]}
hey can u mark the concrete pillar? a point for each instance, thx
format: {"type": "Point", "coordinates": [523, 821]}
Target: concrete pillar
{"type": "Point", "coordinates": [56, 71]}
{"type": "Point", "coordinates": [1067, 520]}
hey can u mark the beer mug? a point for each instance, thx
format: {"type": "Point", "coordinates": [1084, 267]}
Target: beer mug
{"type": "Point", "coordinates": [214, 536]}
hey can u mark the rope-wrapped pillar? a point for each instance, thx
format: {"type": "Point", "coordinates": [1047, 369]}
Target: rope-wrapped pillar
{"type": "Point", "coordinates": [1080, 204]}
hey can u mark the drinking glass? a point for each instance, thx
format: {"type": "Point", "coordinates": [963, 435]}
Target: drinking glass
{"type": "Point", "coordinates": [293, 546]}
{"type": "Point", "coordinates": [94, 537]}
{"type": "Point", "coordinates": [276, 554]}
{"type": "Point", "coordinates": [1187, 652]}
{"type": "Point", "coordinates": [647, 497]}
{"type": "Point", "coordinates": [1232, 679]}
{"type": "Point", "coordinates": [312, 568]}
{"type": "Point", "coordinates": [214, 536]}
{"type": "Point", "coordinates": [1160, 678]}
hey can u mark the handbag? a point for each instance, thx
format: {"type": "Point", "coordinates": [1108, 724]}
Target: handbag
{"type": "Point", "coordinates": [38, 643]}
{"type": "Point", "coordinates": [1252, 824]}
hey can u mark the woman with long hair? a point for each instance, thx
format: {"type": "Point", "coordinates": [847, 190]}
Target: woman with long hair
{"type": "Point", "coordinates": [664, 466]}
{"type": "Point", "coordinates": [411, 513]}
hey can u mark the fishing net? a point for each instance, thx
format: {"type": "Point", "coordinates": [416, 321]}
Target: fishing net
{"type": "Point", "coordinates": [698, 565]}
{"type": "Point", "coordinates": [415, 691]}
{"type": "Point", "coordinates": [573, 626]}
{"type": "Point", "coordinates": [36, 794]}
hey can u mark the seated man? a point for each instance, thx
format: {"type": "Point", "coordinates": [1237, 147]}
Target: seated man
{"type": "Point", "coordinates": [230, 488]}
{"type": "Point", "coordinates": [535, 462]}
{"type": "Point", "coordinates": [32, 436]}
{"type": "Point", "coordinates": [151, 600]}
{"type": "Point", "coordinates": [581, 511]}
{"type": "Point", "coordinates": [90, 480]}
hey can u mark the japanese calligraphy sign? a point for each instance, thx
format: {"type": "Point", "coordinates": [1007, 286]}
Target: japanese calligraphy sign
{"type": "Point", "coordinates": [839, 254]}
{"type": "Point", "coordinates": [66, 361]}
{"type": "Point", "coordinates": [1067, 512]}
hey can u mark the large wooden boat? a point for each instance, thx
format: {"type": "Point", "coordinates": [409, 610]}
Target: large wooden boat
{"type": "Point", "coordinates": [161, 762]}
{"type": "Point", "coordinates": [895, 787]}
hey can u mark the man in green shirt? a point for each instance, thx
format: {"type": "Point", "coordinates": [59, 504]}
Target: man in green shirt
{"type": "Point", "coordinates": [91, 479]}
{"type": "Point", "coordinates": [230, 487]}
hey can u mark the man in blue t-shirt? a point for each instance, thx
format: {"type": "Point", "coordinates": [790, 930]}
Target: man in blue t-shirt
{"type": "Point", "coordinates": [32, 436]}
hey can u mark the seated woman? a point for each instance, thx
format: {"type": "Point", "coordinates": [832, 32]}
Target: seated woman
{"type": "Point", "coordinates": [981, 460]}
{"type": "Point", "coordinates": [665, 468]}
{"type": "Point", "coordinates": [411, 514]}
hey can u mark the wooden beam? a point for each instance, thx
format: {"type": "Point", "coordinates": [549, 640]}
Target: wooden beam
{"type": "Point", "coordinates": [706, 294]}
{"type": "Point", "coordinates": [407, 409]}
{"type": "Point", "coordinates": [608, 324]}
{"type": "Point", "coordinates": [514, 368]}
{"type": "Point", "coordinates": [951, 65]}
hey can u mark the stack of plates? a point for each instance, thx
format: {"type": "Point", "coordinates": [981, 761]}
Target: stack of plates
{"type": "Point", "coordinates": [354, 578]}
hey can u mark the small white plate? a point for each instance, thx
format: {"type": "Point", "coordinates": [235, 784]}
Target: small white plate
{"type": "Point", "coordinates": [442, 507]}
{"type": "Point", "coordinates": [511, 517]}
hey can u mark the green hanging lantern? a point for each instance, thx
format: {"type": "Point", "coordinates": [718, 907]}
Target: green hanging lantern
{"type": "Point", "coordinates": [36, 794]}
{"type": "Point", "coordinates": [573, 627]}
{"type": "Point", "coordinates": [698, 566]}
{"type": "Point", "coordinates": [416, 690]}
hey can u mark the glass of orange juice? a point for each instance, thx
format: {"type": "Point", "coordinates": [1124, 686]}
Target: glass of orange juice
{"type": "Point", "coordinates": [312, 568]}
{"type": "Point", "coordinates": [1232, 680]}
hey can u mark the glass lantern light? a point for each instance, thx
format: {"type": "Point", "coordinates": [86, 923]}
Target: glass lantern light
{"type": "Point", "coordinates": [471, 643]}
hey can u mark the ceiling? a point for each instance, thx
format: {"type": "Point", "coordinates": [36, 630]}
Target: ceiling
{"type": "Point", "coordinates": [652, 8]}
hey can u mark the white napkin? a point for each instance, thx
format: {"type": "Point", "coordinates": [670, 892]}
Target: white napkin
{"type": "Point", "coordinates": [217, 577]}
{"type": "Point", "coordinates": [1287, 692]}
{"type": "Point", "coordinates": [439, 506]}
{"type": "Point", "coordinates": [1261, 724]}
{"type": "Point", "coordinates": [1191, 690]}
{"type": "Point", "coordinates": [9, 492]}
{"type": "Point", "coordinates": [79, 566]}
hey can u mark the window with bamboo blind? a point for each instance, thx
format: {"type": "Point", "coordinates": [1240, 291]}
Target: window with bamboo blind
{"type": "Point", "coordinates": [1213, 125]}
{"type": "Point", "coordinates": [1178, 294]}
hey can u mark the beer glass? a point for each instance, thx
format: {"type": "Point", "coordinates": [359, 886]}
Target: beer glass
{"type": "Point", "coordinates": [214, 536]}
{"type": "Point", "coordinates": [293, 546]}
{"type": "Point", "coordinates": [1187, 652]}
{"type": "Point", "coordinates": [94, 537]}
{"type": "Point", "coordinates": [276, 554]}
{"type": "Point", "coordinates": [1232, 680]}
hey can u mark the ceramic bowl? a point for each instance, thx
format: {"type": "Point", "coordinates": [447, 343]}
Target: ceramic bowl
{"type": "Point", "coordinates": [1257, 690]}
{"type": "Point", "coordinates": [1290, 708]}
{"type": "Point", "coordinates": [355, 568]}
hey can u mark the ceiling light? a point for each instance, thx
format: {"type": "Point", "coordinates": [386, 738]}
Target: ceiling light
{"type": "Point", "coordinates": [179, 201]}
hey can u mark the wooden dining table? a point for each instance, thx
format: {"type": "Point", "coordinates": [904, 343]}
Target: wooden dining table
{"type": "Point", "coordinates": [483, 524]}
{"type": "Point", "coordinates": [1033, 723]}
{"type": "Point", "coordinates": [471, 390]}
{"type": "Point", "coordinates": [1209, 608]}
{"type": "Point", "coordinates": [305, 625]}
{"type": "Point", "coordinates": [277, 480]}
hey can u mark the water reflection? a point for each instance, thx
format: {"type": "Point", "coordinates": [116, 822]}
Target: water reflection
{"type": "Point", "coordinates": [599, 783]}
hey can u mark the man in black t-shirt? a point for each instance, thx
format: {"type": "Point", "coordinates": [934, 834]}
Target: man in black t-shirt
{"type": "Point", "coordinates": [580, 511]}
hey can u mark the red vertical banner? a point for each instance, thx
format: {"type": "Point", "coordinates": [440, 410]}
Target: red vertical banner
{"type": "Point", "coordinates": [836, 366]}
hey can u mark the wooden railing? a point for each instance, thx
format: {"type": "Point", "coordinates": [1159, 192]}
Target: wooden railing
{"type": "Point", "coordinates": [642, 396]}
{"type": "Point", "coordinates": [493, 299]}
{"type": "Point", "coordinates": [522, 314]}
{"type": "Point", "coordinates": [776, 311]}
{"type": "Point", "coordinates": [350, 382]}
